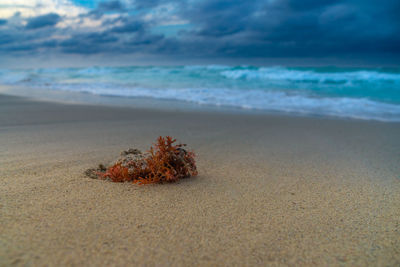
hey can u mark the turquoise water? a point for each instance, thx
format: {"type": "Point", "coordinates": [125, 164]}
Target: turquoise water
{"type": "Point", "coordinates": [341, 92]}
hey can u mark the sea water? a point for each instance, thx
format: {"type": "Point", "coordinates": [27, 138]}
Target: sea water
{"type": "Point", "coordinates": [371, 94]}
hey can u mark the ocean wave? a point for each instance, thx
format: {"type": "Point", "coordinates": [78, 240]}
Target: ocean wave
{"type": "Point", "coordinates": [12, 77]}
{"type": "Point", "coordinates": [358, 93]}
{"type": "Point", "coordinates": [206, 67]}
{"type": "Point", "coordinates": [277, 73]}
{"type": "Point", "coordinates": [94, 71]}
{"type": "Point", "coordinates": [277, 101]}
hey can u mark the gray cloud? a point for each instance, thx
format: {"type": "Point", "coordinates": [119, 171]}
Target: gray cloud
{"type": "Point", "coordinates": [111, 6]}
{"type": "Point", "coordinates": [129, 26]}
{"type": "Point", "coordinates": [296, 28]}
{"type": "Point", "coordinates": [47, 20]}
{"type": "Point", "coordinates": [225, 29]}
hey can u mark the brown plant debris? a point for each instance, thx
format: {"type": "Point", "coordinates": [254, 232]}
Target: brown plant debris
{"type": "Point", "coordinates": [164, 162]}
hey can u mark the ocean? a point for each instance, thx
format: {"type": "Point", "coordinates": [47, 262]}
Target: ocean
{"type": "Point", "coordinates": [370, 94]}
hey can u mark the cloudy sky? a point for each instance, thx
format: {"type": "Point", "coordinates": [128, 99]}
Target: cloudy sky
{"type": "Point", "coordinates": [207, 31]}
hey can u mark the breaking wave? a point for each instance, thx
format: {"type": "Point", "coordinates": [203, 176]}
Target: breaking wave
{"type": "Point", "coordinates": [372, 94]}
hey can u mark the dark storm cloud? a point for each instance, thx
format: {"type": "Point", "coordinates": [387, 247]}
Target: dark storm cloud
{"type": "Point", "coordinates": [225, 29]}
{"type": "Point", "coordinates": [5, 38]}
{"type": "Point", "coordinates": [12, 41]}
{"type": "Point", "coordinates": [221, 18]}
{"type": "Point", "coordinates": [50, 19]}
{"type": "Point", "coordinates": [129, 26]}
{"type": "Point", "coordinates": [139, 4]}
{"type": "Point", "coordinates": [310, 4]}
{"type": "Point", "coordinates": [15, 37]}
{"type": "Point", "coordinates": [90, 43]}
{"type": "Point", "coordinates": [114, 6]}
{"type": "Point", "coordinates": [111, 6]}
{"type": "Point", "coordinates": [296, 28]}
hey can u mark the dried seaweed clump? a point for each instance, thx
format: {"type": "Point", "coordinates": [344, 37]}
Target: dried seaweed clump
{"type": "Point", "coordinates": [164, 162]}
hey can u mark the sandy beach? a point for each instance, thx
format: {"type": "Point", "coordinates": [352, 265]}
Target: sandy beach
{"type": "Point", "coordinates": [271, 190]}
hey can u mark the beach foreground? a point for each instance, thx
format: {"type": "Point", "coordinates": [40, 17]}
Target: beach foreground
{"type": "Point", "coordinates": [271, 189]}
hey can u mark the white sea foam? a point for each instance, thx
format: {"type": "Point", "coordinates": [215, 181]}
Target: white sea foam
{"type": "Point", "coordinates": [277, 73]}
{"type": "Point", "coordinates": [277, 101]}
{"type": "Point", "coordinates": [95, 71]}
{"type": "Point", "coordinates": [207, 67]}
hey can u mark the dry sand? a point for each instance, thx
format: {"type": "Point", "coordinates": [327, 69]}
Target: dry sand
{"type": "Point", "coordinates": [272, 190]}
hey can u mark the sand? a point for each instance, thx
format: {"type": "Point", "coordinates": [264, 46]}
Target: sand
{"type": "Point", "coordinates": [271, 190]}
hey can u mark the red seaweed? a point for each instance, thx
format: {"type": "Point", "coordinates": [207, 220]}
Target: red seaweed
{"type": "Point", "coordinates": [164, 162]}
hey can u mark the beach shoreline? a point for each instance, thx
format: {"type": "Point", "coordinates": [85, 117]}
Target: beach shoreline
{"type": "Point", "coordinates": [161, 104]}
{"type": "Point", "coordinates": [272, 189]}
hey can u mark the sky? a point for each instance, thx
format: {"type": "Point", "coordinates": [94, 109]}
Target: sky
{"type": "Point", "coordinates": [120, 32]}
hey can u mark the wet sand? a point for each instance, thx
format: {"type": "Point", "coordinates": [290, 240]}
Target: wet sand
{"type": "Point", "coordinates": [271, 190]}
